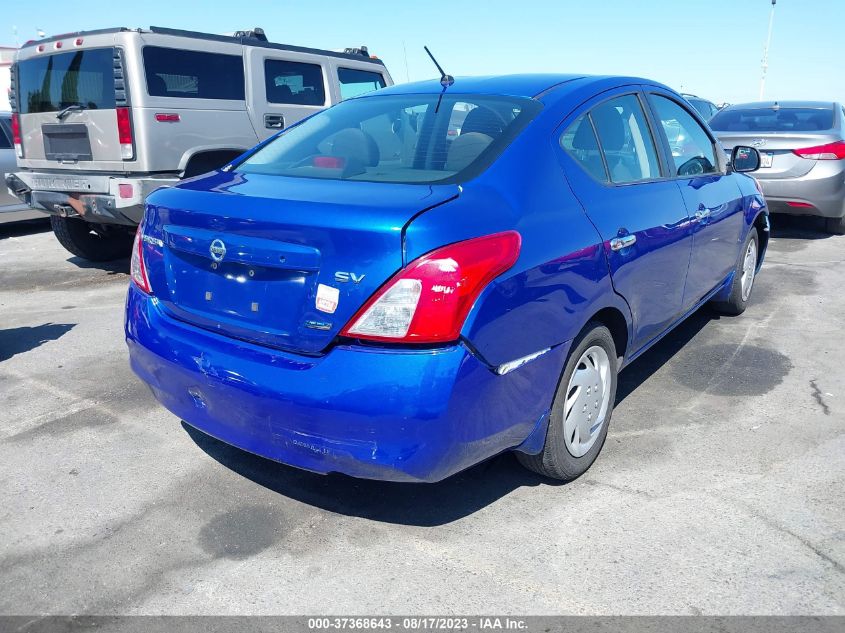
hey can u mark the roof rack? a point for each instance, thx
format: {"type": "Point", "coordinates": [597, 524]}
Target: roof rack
{"type": "Point", "coordinates": [361, 50]}
{"type": "Point", "coordinates": [254, 34]}
{"type": "Point", "coordinates": [253, 37]}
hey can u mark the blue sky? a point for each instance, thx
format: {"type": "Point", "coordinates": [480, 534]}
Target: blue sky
{"type": "Point", "coordinates": [709, 47]}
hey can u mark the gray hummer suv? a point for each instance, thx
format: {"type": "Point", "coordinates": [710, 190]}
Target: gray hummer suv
{"type": "Point", "coordinates": [103, 118]}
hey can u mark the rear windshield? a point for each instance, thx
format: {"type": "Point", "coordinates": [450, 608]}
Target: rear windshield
{"type": "Point", "coordinates": [773, 120]}
{"type": "Point", "coordinates": [397, 138]}
{"type": "Point", "coordinates": [54, 82]}
{"type": "Point", "coordinates": [172, 72]}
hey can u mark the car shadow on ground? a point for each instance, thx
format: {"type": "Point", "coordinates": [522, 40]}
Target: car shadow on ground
{"type": "Point", "coordinates": [425, 505]}
{"type": "Point", "coordinates": [17, 340]}
{"type": "Point", "coordinates": [111, 267]}
{"type": "Point", "coordinates": [23, 227]}
{"type": "Point", "coordinates": [646, 365]}
{"type": "Point", "coordinates": [798, 227]}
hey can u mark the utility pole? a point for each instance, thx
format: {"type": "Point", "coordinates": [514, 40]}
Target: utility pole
{"type": "Point", "coordinates": [766, 50]}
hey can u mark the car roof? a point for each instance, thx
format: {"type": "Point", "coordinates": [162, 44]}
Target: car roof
{"type": "Point", "coordinates": [521, 85]}
{"type": "Point", "coordinates": [243, 40]}
{"type": "Point", "coordinates": [783, 104]}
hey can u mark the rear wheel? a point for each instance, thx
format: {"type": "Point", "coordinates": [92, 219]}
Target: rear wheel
{"type": "Point", "coordinates": [581, 409]}
{"type": "Point", "coordinates": [745, 274]}
{"type": "Point", "coordinates": [835, 225]}
{"type": "Point", "coordinates": [90, 241]}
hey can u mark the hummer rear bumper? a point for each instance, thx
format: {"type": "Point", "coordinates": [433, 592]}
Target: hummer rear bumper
{"type": "Point", "coordinates": [100, 198]}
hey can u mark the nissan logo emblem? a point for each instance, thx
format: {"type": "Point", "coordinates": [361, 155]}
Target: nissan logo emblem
{"type": "Point", "coordinates": [217, 250]}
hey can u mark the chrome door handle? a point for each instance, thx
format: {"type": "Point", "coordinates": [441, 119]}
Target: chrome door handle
{"type": "Point", "coordinates": [618, 243]}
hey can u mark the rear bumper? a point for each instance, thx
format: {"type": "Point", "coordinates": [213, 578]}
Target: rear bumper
{"type": "Point", "coordinates": [399, 415]}
{"type": "Point", "coordinates": [823, 188]}
{"type": "Point", "coordinates": [100, 198]}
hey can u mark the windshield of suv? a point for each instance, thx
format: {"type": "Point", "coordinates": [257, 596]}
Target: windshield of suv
{"type": "Point", "coordinates": [415, 138]}
{"type": "Point", "coordinates": [54, 82]}
{"type": "Point", "coordinates": [773, 120]}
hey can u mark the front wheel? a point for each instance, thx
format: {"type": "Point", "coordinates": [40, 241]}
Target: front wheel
{"type": "Point", "coordinates": [581, 409]}
{"type": "Point", "coordinates": [90, 242]}
{"type": "Point", "coordinates": [745, 274]}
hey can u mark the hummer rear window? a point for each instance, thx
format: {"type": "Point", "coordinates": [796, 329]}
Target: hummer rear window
{"type": "Point", "coordinates": [418, 138]}
{"type": "Point", "coordinates": [54, 82]}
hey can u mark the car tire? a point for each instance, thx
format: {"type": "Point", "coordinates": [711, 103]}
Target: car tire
{"type": "Point", "coordinates": [592, 362]}
{"type": "Point", "coordinates": [745, 273]}
{"type": "Point", "coordinates": [835, 225]}
{"type": "Point", "coordinates": [88, 242]}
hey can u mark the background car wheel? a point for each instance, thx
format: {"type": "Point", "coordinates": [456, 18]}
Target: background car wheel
{"type": "Point", "coordinates": [87, 241]}
{"type": "Point", "coordinates": [581, 409]}
{"type": "Point", "coordinates": [745, 274]}
{"type": "Point", "coordinates": [835, 225]}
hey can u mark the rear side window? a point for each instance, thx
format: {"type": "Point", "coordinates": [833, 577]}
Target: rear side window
{"type": "Point", "coordinates": [580, 142]}
{"type": "Point", "coordinates": [691, 147]}
{"type": "Point", "coordinates": [54, 82]}
{"type": "Point", "coordinates": [774, 119]}
{"type": "Point", "coordinates": [172, 72]}
{"type": "Point", "coordinates": [294, 83]}
{"type": "Point", "coordinates": [625, 140]}
{"type": "Point", "coordinates": [415, 138]}
{"type": "Point", "coordinates": [356, 82]}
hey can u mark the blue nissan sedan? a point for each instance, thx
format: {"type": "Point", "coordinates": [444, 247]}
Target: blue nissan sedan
{"type": "Point", "coordinates": [417, 279]}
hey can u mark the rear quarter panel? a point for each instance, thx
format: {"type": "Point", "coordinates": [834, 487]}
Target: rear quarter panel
{"type": "Point", "coordinates": [561, 278]}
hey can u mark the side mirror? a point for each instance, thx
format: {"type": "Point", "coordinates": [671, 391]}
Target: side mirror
{"type": "Point", "coordinates": [745, 159]}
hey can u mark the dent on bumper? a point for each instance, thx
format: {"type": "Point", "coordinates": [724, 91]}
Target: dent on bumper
{"type": "Point", "coordinates": [367, 412]}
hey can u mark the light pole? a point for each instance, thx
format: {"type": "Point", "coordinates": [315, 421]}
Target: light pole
{"type": "Point", "coordinates": [766, 50]}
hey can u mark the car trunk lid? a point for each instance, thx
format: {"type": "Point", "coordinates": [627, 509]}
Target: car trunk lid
{"type": "Point", "coordinates": [777, 156]}
{"type": "Point", "coordinates": [278, 261]}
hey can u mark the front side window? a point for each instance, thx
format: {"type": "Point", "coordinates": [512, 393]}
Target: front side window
{"type": "Point", "coordinates": [172, 72]}
{"type": "Point", "coordinates": [357, 82]}
{"type": "Point", "coordinates": [397, 138]}
{"type": "Point", "coordinates": [692, 149]}
{"type": "Point", "coordinates": [294, 83]}
{"type": "Point", "coordinates": [53, 82]}
{"type": "Point", "coordinates": [580, 142]}
{"type": "Point", "coordinates": [625, 140]}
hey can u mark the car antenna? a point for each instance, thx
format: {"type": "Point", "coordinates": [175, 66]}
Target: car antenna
{"type": "Point", "coordinates": [445, 80]}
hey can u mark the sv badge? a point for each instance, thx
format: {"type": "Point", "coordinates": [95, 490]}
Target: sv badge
{"type": "Point", "coordinates": [342, 277]}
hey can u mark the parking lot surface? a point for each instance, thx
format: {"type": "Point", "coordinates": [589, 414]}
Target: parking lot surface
{"type": "Point", "coordinates": [720, 490]}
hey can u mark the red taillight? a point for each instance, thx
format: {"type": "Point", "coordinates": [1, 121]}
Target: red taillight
{"type": "Point", "coordinates": [137, 268]}
{"type": "Point", "coordinates": [16, 134]}
{"type": "Point", "coordinates": [428, 301]}
{"type": "Point", "coordinates": [831, 151]}
{"type": "Point", "coordinates": [124, 133]}
{"type": "Point", "coordinates": [799, 205]}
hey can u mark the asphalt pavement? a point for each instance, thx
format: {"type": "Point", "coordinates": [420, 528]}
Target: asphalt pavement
{"type": "Point", "coordinates": [721, 489]}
